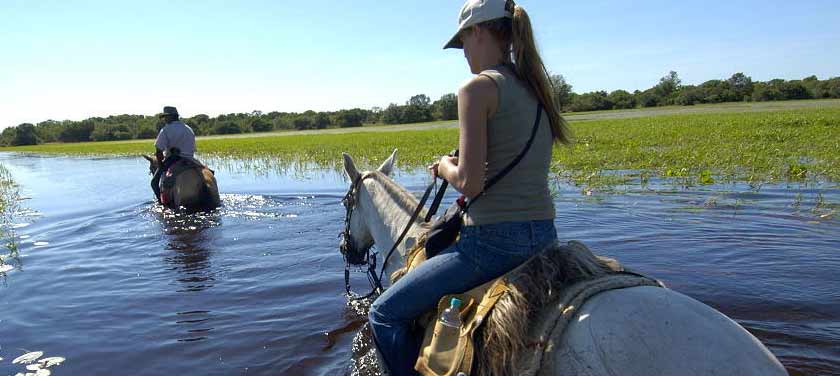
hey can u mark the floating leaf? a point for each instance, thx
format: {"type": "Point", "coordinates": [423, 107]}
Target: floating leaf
{"type": "Point", "coordinates": [51, 361]}
{"type": "Point", "coordinates": [28, 357]}
{"type": "Point", "coordinates": [43, 372]}
{"type": "Point", "coordinates": [34, 367]}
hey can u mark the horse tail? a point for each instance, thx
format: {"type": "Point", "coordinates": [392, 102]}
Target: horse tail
{"type": "Point", "coordinates": [209, 197]}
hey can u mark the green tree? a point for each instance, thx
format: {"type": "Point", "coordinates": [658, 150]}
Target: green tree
{"type": "Point", "coordinates": [393, 114]}
{"type": "Point", "coordinates": [667, 88]}
{"type": "Point", "coordinates": [417, 109]}
{"type": "Point", "coordinates": [621, 99]}
{"type": "Point", "coordinates": [227, 127]}
{"type": "Point", "coordinates": [648, 98]}
{"type": "Point", "coordinates": [594, 101]}
{"type": "Point", "coordinates": [25, 135]}
{"type": "Point", "coordinates": [742, 85]}
{"type": "Point", "coordinates": [302, 122]}
{"type": "Point", "coordinates": [260, 125]}
{"type": "Point", "coordinates": [562, 91]}
{"type": "Point", "coordinates": [446, 108]}
{"type": "Point", "coordinates": [77, 131]}
{"type": "Point", "coordinates": [766, 92]}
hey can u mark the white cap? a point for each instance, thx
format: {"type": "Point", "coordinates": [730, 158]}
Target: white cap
{"type": "Point", "coordinates": [477, 11]}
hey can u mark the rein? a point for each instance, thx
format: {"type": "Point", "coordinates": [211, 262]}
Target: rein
{"type": "Point", "coordinates": [356, 257]}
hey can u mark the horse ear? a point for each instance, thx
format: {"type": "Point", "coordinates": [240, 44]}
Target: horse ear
{"type": "Point", "coordinates": [148, 158]}
{"type": "Point", "coordinates": [388, 166]}
{"type": "Point", "coordinates": [350, 167]}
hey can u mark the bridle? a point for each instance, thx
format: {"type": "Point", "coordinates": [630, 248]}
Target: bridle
{"type": "Point", "coordinates": [348, 249]}
{"type": "Point", "coordinates": [354, 257]}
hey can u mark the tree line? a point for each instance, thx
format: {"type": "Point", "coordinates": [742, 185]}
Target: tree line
{"type": "Point", "coordinates": [420, 108]}
{"type": "Point", "coordinates": [671, 92]}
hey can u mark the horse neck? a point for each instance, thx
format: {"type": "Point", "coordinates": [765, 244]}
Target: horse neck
{"type": "Point", "coordinates": [387, 207]}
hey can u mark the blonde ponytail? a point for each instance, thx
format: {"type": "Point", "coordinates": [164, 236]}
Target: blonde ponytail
{"type": "Point", "coordinates": [530, 68]}
{"type": "Point", "coordinates": [518, 34]}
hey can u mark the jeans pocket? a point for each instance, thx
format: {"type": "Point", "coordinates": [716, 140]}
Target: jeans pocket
{"type": "Point", "coordinates": [501, 247]}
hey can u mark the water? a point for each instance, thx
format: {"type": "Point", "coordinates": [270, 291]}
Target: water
{"type": "Point", "coordinates": [115, 285]}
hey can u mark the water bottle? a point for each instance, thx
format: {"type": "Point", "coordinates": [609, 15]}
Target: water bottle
{"type": "Point", "coordinates": [447, 330]}
{"type": "Point", "coordinates": [451, 316]}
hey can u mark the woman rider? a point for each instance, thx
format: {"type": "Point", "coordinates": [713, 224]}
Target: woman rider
{"type": "Point", "coordinates": [515, 218]}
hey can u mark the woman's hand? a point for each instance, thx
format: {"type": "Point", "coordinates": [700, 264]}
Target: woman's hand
{"type": "Point", "coordinates": [433, 169]}
{"type": "Point", "coordinates": [446, 163]}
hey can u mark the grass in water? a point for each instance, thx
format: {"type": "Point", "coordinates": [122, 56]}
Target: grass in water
{"type": "Point", "coordinates": [8, 206]}
{"type": "Point", "coordinates": [690, 149]}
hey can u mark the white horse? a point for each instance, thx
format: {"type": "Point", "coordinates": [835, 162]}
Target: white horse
{"type": "Point", "coordinates": [632, 331]}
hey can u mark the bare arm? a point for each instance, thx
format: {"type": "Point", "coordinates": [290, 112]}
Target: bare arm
{"type": "Point", "coordinates": [477, 101]}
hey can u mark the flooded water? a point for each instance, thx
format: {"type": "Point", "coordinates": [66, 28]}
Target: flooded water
{"type": "Point", "coordinates": [113, 284]}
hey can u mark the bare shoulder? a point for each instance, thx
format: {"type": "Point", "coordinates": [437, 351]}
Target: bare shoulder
{"type": "Point", "coordinates": [479, 86]}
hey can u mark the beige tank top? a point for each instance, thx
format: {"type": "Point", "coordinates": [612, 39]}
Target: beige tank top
{"type": "Point", "coordinates": [522, 194]}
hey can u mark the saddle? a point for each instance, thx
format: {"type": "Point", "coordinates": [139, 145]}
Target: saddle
{"type": "Point", "coordinates": [562, 275]}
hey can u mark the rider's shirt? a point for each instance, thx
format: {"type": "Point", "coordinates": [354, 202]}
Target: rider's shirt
{"type": "Point", "coordinates": [523, 194]}
{"type": "Point", "coordinates": [176, 135]}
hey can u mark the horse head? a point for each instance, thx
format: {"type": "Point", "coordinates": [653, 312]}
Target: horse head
{"type": "Point", "coordinates": [357, 238]}
{"type": "Point", "coordinates": [153, 163]}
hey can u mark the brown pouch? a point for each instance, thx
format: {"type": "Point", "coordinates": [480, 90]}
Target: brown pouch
{"type": "Point", "coordinates": [459, 351]}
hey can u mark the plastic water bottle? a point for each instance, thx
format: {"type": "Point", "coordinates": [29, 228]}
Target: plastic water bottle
{"type": "Point", "coordinates": [451, 316]}
{"type": "Point", "coordinates": [447, 330]}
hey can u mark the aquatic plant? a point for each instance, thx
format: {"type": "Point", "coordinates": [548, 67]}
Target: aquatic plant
{"type": "Point", "coordinates": [8, 206]}
{"type": "Point", "coordinates": [687, 149]}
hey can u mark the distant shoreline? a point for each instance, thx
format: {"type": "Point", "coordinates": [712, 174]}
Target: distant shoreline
{"type": "Point", "coordinates": [749, 142]}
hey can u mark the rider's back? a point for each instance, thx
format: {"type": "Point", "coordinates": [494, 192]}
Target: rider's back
{"type": "Point", "coordinates": [523, 194]}
{"type": "Point", "coordinates": [178, 135]}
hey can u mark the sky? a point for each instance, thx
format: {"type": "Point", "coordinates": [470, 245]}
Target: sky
{"type": "Point", "coordinates": [73, 60]}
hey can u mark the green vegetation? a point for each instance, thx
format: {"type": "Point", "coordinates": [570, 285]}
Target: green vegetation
{"type": "Point", "coordinates": [8, 205]}
{"type": "Point", "coordinates": [668, 92]}
{"type": "Point", "coordinates": [704, 148]}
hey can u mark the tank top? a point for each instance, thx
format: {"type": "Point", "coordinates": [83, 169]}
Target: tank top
{"type": "Point", "coordinates": [522, 194]}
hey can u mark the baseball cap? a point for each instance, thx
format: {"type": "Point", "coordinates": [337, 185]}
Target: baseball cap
{"type": "Point", "coordinates": [477, 11]}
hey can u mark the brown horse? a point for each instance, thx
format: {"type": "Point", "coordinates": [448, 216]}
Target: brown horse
{"type": "Point", "coordinates": [195, 188]}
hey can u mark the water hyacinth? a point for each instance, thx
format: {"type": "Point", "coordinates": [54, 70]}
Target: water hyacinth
{"type": "Point", "coordinates": [51, 361]}
{"type": "Point", "coordinates": [28, 357]}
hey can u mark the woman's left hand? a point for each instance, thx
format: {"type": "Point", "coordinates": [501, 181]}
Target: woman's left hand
{"type": "Point", "coordinates": [447, 166]}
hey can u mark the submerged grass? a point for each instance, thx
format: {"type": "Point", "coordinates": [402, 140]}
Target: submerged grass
{"type": "Point", "coordinates": [690, 149]}
{"type": "Point", "coordinates": [8, 206]}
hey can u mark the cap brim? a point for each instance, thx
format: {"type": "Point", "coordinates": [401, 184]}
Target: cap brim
{"type": "Point", "coordinates": [455, 42]}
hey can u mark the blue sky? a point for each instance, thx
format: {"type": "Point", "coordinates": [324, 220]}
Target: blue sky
{"type": "Point", "coordinates": [77, 59]}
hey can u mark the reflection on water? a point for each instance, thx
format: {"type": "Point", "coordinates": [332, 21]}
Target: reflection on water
{"type": "Point", "coordinates": [253, 287]}
{"type": "Point", "coordinates": [188, 241]}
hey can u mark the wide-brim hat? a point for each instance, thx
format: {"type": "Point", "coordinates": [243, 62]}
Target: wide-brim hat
{"type": "Point", "coordinates": [169, 111]}
{"type": "Point", "coordinates": [475, 12]}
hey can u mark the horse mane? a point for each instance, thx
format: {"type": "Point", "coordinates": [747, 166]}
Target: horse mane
{"type": "Point", "coordinates": [404, 199]}
{"type": "Point", "coordinates": [532, 286]}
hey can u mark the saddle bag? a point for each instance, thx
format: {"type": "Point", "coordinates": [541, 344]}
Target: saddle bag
{"type": "Point", "coordinates": [443, 355]}
{"type": "Point", "coordinates": [446, 228]}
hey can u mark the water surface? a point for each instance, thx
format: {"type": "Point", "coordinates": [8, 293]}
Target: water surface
{"type": "Point", "coordinates": [114, 284]}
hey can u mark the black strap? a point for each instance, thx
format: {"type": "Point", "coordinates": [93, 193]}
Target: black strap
{"type": "Point", "coordinates": [436, 202]}
{"type": "Point", "coordinates": [513, 163]}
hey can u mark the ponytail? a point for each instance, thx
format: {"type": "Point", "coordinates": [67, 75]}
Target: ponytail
{"type": "Point", "coordinates": [518, 34]}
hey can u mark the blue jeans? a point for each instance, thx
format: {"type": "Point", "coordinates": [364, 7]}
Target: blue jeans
{"type": "Point", "coordinates": [481, 254]}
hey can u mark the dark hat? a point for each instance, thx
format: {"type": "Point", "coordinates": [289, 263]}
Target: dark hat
{"type": "Point", "coordinates": [169, 111]}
